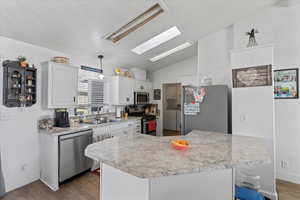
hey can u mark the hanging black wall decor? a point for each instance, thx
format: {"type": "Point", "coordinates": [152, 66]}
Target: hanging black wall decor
{"type": "Point", "coordinates": [19, 84]}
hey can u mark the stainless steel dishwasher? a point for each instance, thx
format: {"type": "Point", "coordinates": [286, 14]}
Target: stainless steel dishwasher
{"type": "Point", "coordinates": [72, 160]}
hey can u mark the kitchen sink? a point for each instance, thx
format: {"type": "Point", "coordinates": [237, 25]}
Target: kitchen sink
{"type": "Point", "coordinates": [115, 120]}
{"type": "Point", "coordinates": [103, 122]}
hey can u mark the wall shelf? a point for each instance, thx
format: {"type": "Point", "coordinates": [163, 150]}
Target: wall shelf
{"type": "Point", "coordinates": [19, 85]}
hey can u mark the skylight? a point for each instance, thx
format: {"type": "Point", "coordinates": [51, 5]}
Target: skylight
{"type": "Point", "coordinates": [157, 40]}
{"type": "Point", "coordinates": [170, 52]}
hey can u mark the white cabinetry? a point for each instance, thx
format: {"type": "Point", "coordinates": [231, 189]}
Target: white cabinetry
{"type": "Point", "coordinates": [122, 90]}
{"type": "Point", "coordinates": [123, 129]}
{"type": "Point", "coordinates": [149, 86]}
{"type": "Point", "coordinates": [195, 186]}
{"type": "Point", "coordinates": [142, 86]}
{"type": "Point", "coordinates": [60, 85]}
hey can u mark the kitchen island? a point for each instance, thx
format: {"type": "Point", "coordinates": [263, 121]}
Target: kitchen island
{"type": "Point", "coordinates": [147, 168]}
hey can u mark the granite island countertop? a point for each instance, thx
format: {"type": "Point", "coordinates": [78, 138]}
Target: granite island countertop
{"type": "Point", "coordinates": [148, 157]}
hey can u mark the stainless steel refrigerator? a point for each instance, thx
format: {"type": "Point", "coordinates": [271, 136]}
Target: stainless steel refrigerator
{"type": "Point", "coordinates": [204, 108]}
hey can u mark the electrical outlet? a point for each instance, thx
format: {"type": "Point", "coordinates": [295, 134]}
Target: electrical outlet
{"type": "Point", "coordinates": [24, 167]}
{"type": "Point", "coordinates": [284, 164]}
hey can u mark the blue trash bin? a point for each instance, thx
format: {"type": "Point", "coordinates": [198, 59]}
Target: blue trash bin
{"type": "Point", "coordinates": [243, 193]}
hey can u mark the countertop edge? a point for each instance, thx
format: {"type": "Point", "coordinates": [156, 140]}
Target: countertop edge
{"type": "Point", "coordinates": [82, 127]}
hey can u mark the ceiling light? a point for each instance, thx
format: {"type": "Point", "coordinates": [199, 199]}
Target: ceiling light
{"type": "Point", "coordinates": [167, 53]}
{"type": "Point", "coordinates": [157, 40]}
{"type": "Point", "coordinates": [101, 75]}
{"type": "Point", "coordinates": [136, 23]}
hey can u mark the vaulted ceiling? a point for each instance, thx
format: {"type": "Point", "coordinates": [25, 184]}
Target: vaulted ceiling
{"type": "Point", "coordinates": [78, 27]}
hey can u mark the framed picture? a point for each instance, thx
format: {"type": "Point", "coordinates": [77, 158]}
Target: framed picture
{"type": "Point", "coordinates": [255, 76]}
{"type": "Point", "coordinates": [286, 84]}
{"type": "Point", "coordinates": [157, 94]}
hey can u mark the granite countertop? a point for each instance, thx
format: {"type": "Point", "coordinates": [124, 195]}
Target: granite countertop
{"type": "Point", "coordinates": [148, 157]}
{"type": "Point", "coordinates": [57, 131]}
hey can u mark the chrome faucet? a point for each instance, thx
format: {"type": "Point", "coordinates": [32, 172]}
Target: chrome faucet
{"type": "Point", "coordinates": [98, 115]}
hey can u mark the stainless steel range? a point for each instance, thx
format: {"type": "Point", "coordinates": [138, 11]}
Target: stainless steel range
{"type": "Point", "coordinates": [148, 118]}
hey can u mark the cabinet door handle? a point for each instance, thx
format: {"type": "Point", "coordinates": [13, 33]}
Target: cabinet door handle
{"type": "Point", "coordinates": [74, 99]}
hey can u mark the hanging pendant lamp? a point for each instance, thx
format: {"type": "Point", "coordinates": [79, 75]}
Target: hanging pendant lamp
{"type": "Point", "coordinates": [101, 76]}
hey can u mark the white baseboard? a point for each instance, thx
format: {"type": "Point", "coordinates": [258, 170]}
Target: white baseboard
{"type": "Point", "coordinates": [51, 187]}
{"type": "Point", "coordinates": [290, 177]}
{"type": "Point", "coordinates": [270, 195]}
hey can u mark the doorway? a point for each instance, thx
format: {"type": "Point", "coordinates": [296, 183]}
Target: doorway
{"type": "Point", "coordinates": [171, 109]}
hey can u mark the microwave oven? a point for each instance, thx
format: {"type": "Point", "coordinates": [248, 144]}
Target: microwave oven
{"type": "Point", "coordinates": [141, 98]}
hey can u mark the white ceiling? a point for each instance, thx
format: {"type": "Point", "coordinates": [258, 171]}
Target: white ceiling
{"type": "Point", "coordinates": [78, 26]}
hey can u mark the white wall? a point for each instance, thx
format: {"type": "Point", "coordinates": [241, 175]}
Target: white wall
{"type": "Point", "coordinates": [18, 126]}
{"type": "Point", "coordinates": [280, 26]}
{"type": "Point", "coordinates": [214, 56]}
{"type": "Point", "coordinates": [173, 74]}
{"type": "Point", "coordinates": [253, 113]}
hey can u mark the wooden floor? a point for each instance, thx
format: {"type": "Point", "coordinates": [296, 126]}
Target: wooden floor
{"type": "Point", "coordinates": [171, 133]}
{"type": "Point", "coordinates": [86, 187]}
{"type": "Point", "coordinates": [288, 191]}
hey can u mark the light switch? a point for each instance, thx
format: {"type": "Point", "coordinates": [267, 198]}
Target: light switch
{"type": "Point", "coordinates": [242, 118]}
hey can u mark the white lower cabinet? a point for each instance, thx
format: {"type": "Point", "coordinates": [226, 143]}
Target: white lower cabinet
{"type": "Point", "coordinates": [118, 185]}
{"type": "Point", "coordinates": [123, 129]}
{"type": "Point", "coordinates": [116, 130]}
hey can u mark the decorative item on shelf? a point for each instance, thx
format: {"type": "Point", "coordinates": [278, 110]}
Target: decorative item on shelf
{"type": "Point", "coordinates": [101, 76]}
{"type": "Point", "coordinates": [123, 72]}
{"type": "Point", "coordinates": [47, 123]}
{"type": "Point", "coordinates": [252, 40]}
{"type": "Point", "coordinates": [61, 59]}
{"type": "Point", "coordinates": [22, 61]}
{"type": "Point", "coordinates": [19, 88]}
{"type": "Point", "coordinates": [286, 84]}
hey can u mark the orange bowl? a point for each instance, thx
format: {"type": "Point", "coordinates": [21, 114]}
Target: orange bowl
{"type": "Point", "coordinates": [180, 144]}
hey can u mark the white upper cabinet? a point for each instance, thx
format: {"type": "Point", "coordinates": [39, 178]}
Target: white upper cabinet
{"type": "Point", "coordinates": [142, 86]}
{"type": "Point", "coordinates": [121, 90]}
{"type": "Point", "coordinates": [60, 85]}
{"type": "Point", "coordinates": [149, 86]}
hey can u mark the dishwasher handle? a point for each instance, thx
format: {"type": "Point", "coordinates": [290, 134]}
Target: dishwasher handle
{"type": "Point", "coordinates": [76, 134]}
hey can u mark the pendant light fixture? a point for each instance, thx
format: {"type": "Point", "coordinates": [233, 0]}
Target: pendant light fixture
{"type": "Point", "coordinates": [101, 76]}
